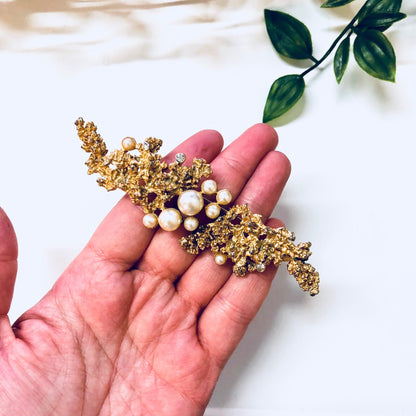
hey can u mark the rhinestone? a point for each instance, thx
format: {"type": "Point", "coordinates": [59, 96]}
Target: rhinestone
{"type": "Point", "coordinates": [180, 158]}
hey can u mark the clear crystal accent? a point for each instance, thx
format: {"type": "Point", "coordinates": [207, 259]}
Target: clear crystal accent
{"type": "Point", "coordinates": [180, 157]}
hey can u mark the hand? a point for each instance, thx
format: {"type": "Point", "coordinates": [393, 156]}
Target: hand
{"type": "Point", "coordinates": [136, 325]}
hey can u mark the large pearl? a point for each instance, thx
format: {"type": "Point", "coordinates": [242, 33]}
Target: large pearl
{"type": "Point", "coordinates": [150, 221]}
{"type": "Point", "coordinates": [224, 197]}
{"type": "Point", "coordinates": [170, 219]}
{"type": "Point", "coordinates": [220, 259]}
{"type": "Point", "coordinates": [191, 223]}
{"type": "Point", "coordinates": [209, 187]}
{"type": "Point", "coordinates": [128, 143]}
{"type": "Point", "coordinates": [190, 202]}
{"type": "Point", "coordinates": [212, 210]}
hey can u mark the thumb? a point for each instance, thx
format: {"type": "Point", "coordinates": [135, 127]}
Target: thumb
{"type": "Point", "coordinates": [8, 262]}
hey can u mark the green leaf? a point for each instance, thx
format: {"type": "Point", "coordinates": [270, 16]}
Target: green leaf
{"type": "Point", "coordinates": [335, 3]}
{"type": "Point", "coordinates": [289, 36]}
{"type": "Point", "coordinates": [379, 6]}
{"type": "Point", "coordinates": [379, 21]}
{"type": "Point", "coordinates": [341, 59]}
{"type": "Point", "coordinates": [284, 93]}
{"type": "Point", "coordinates": [375, 55]}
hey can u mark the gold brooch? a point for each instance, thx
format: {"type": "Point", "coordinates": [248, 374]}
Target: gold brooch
{"type": "Point", "coordinates": [169, 197]}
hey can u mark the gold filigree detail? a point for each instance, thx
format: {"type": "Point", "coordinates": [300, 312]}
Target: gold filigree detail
{"type": "Point", "coordinates": [237, 233]}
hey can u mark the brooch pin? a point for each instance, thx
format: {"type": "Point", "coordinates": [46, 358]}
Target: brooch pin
{"type": "Point", "coordinates": [169, 197]}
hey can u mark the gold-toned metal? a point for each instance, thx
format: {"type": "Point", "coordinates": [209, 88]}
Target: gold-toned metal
{"type": "Point", "coordinates": [148, 181]}
{"type": "Point", "coordinates": [237, 233]}
{"type": "Point", "coordinates": [241, 236]}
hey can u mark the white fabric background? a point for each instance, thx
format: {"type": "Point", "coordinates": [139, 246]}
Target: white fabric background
{"type": "Point", "coordinates": [168, 69]}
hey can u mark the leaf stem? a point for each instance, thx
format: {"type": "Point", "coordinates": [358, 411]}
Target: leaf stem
{"type": "Point", "coordinates": [347, 28]}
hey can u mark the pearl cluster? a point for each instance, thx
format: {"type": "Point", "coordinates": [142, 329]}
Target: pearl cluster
{"type": "Point", "coordinates": [190, 203]}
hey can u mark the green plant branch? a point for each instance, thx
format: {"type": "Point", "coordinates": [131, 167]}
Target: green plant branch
{"type": "Point", "coordinates": [372, 50]}
{"type": "Point", "coordinates": [347, 28]}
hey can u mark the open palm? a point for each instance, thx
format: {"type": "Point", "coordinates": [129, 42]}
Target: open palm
{"type": "Point", "coordinates": [136, 325]}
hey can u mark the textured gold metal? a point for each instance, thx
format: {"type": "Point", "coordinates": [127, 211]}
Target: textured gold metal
{"type": "Point", "coordinates": [237, 233]}
{"type": "Point", "coordinates": [251, 245]}
{"type": "Point", "coordinates": [148, 181]}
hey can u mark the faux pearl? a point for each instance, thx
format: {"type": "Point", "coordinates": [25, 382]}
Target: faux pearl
{"type": "Point", "coordinates": [224, 197]}
{"type": "Point", "coordinates": [128, 143]}
{"type": "Point", "coordinates": [150, 221]}
{"type": "Point", "coordinates": [261, 267]}
{"type": "Point", "coordinates": [170, 219]}
{"type": "Point", "coordinates": [209, 187]}
{"type": "Point", "coordinates": [191, 223]}
{"type": "Point", "coordinates": [212, 210]}
{"type": "Point", "coordinates": [220, 259]}
{"type": "Point", "coordinates": [190, 202]}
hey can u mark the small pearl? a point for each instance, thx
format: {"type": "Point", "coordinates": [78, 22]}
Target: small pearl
{"type": "Point", "coordinates": [170, 219]}
{"type": "Point", "coordinates": [150, 221]}
{"type": "Point", "coordinates": [190, 202]}
{"type": "Point", "coordinates": [191, 223]}
{"type": "Point", "coordinates": [220, 259]}
{"type": "Point", "coordinates": [212, 210]}
{"type": "Point", "coordinates": [128, 143]}
{"type": "Point", "coordinates": [209, 187]}
{"type": "Point", "coordinates": [261, 267]}
{"type": "Point", "coordinates": [224, 197]}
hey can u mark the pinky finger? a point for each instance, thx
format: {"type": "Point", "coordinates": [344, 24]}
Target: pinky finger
{"type": "Point", "coordinates": [226, 318]}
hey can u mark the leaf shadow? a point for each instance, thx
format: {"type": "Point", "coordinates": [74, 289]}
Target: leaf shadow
{"type": "Point", "coordinates": [291, 115]}
{"type": "Point", "coordinates": [297, 63]}
{"type": "Point", "coordinates": [383, 97]}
